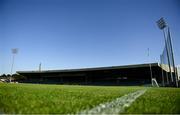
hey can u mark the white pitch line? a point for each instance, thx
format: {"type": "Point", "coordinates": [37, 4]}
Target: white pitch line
{"type": "Point", "coordinates": [116, 106]}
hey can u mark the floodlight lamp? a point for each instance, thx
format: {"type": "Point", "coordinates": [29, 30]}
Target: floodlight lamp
{"type": "Point", "coordinates": [161, 23]}
{"type": "Point", "coordinates": [14, 50]}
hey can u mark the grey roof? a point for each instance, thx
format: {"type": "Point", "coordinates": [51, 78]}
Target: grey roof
{"type": "Point", "coordinates": [93, 69]}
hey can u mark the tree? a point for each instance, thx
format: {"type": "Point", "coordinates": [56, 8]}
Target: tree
{"type": "Point", "coordinates": [3, 76]}
{"type": "Point", "coordinates": [17, 77]}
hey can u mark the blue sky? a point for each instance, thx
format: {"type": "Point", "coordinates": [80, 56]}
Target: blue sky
{"type": "Point", "coordinates": [65, 34]}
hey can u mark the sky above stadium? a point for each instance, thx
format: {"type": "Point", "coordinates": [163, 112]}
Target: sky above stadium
{"type": "Point", "coordinates": [63, 34]}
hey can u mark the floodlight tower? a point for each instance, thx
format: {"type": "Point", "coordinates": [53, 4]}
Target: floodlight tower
{"type": "Point", "coordinates": [150, 69]}
{"type": "Point", "coordinates": [40, 67]}
{"type": "Point", "coordinates": [14, 52]}
{"type": "Point", "coordinates": [162, 25]}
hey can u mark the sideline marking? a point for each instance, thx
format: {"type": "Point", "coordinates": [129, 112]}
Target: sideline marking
{"type": "Point", "coordinates": [116, 106]}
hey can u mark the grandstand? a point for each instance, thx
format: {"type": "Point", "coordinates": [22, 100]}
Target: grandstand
{"type": "Point", "coordinates": [138, 74]}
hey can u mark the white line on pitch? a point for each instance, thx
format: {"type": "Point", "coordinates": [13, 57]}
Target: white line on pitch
{"type": "Point", "coordinates": [116, 106]}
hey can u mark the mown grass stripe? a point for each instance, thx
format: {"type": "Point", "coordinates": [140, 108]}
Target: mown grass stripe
{"type": "Point", "coordinates": [116, 106]}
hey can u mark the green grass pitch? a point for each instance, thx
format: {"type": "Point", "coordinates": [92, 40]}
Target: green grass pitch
{"type": "Point", "coordinates": [157, 100]}
{"type": "Point", "coordinates": [69, 99]}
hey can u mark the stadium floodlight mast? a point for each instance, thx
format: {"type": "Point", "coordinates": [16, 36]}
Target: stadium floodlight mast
{"type": "Point", "coordinates": [162, 25]}
{"type": "Point", "coordinates": [40, 67]}
{"type": "Point", "coordinates": [14, 52]}
{"type": "Point", "coordinates": [150, 70]}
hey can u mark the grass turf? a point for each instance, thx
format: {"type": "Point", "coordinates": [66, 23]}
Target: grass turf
{"type": "Point", "coordinates": [157, 100]}
{"type": "Point", "coordinates": [29, 98]}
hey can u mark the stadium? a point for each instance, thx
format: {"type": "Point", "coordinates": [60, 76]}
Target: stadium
{"type": "Point", "coordinates": [111, 50]}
